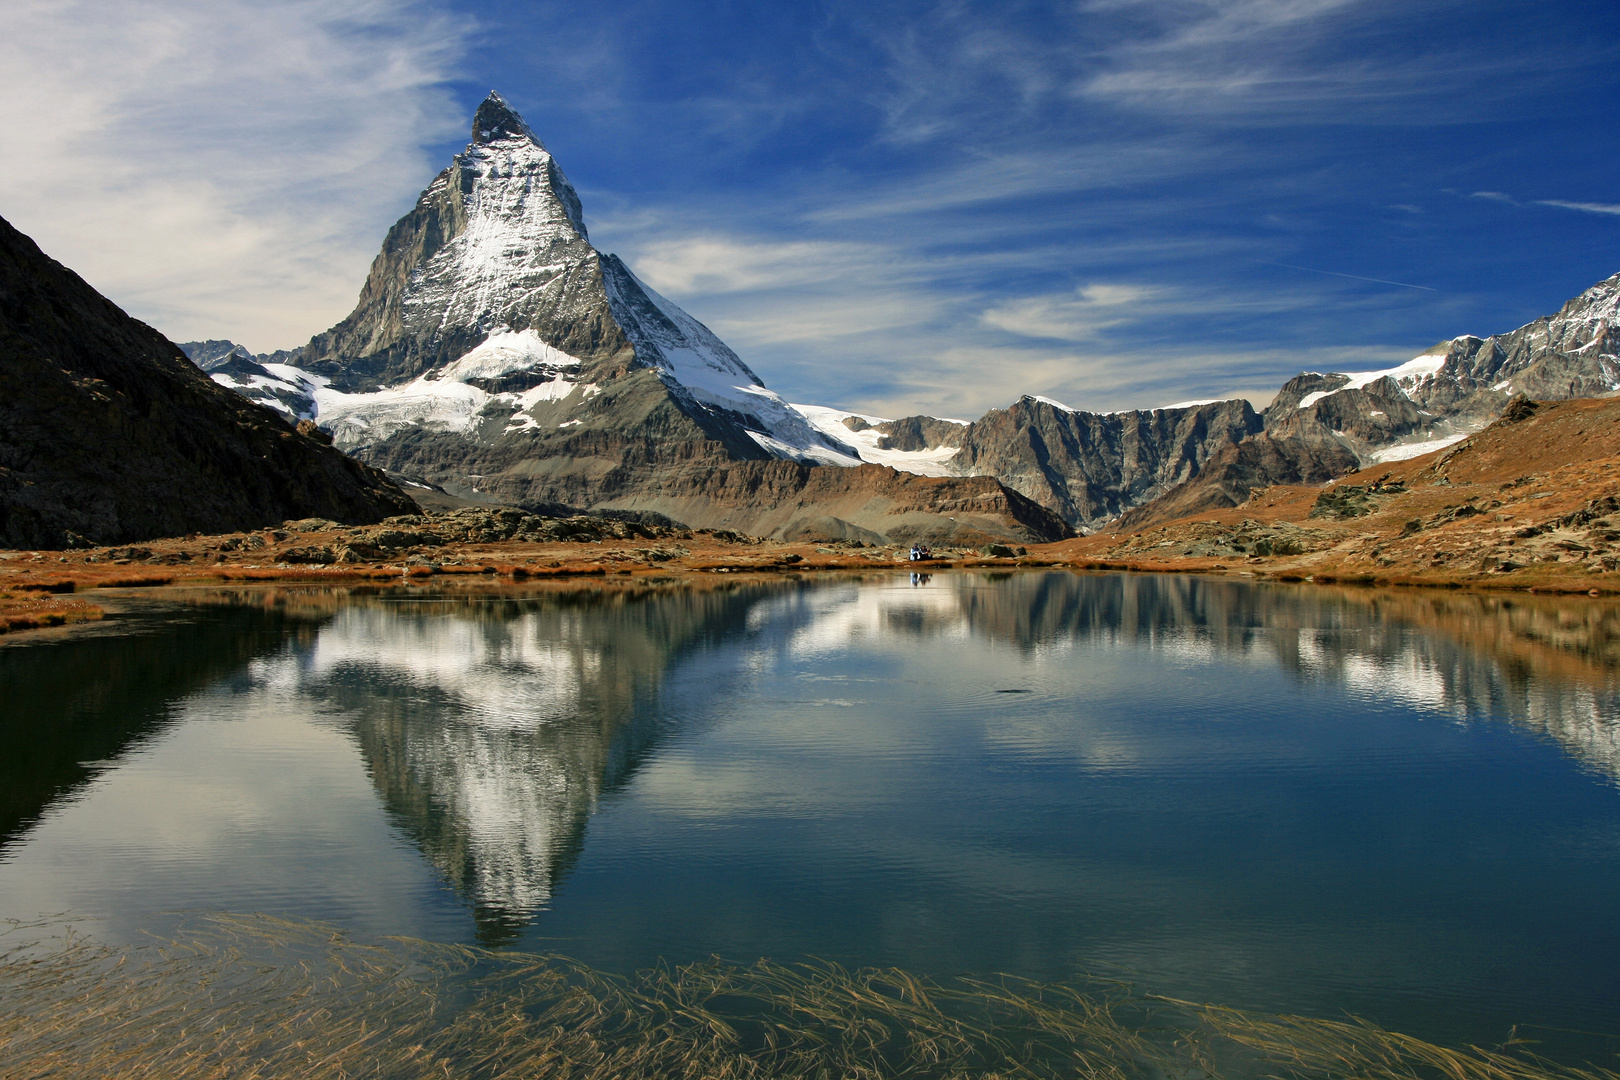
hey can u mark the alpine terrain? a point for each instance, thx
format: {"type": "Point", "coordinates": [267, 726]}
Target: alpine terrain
{"type": "Point", "coordinates": [495, 353]}
{"type": "Point", "coordinates": [1322, 426]}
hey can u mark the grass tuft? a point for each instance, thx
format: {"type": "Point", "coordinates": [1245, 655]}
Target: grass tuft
{"type": "Point", "coordinates": [258, 997]}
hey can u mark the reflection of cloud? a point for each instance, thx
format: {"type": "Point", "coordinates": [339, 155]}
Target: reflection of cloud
{"type": "Point", "coordinates": [504, 674]}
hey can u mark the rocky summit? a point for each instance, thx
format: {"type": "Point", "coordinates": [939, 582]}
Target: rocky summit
{"type": "Point", "coordinates": [495, 353]}
{"type": "Point", "coordinates": [108, 434]}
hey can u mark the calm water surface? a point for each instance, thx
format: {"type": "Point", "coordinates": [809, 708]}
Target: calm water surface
{"type": "Point", "coordinates": [1288, 798]}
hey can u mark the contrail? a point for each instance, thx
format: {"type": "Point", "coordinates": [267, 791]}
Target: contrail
{"type": "Point", "coordinates": [1352, 277]}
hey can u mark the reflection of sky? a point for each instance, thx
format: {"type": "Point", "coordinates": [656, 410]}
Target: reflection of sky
{"type": "Point", "coordinates": [1246, 803]}
{"type": "Point", "coordinates": [244, 805]}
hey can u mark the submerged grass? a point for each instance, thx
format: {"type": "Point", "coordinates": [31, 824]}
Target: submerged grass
{"type": "Point", "coordinates": [255, 997]}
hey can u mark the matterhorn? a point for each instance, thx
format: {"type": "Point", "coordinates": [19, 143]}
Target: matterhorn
{"type": "Point", "coordinates": [498, 355]}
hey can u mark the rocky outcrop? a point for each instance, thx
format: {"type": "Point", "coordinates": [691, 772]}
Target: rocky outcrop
{"type": "Point", "coordinates": [1299, 451]}
{"type": "Point", "coordinates": [794, 500]}
{"type": "Point", "coordinates": [108, 434]}
{"type": "Point", "coordinates": [1090, 467]}
{"type": "Point", "coordinates": [919, 433]}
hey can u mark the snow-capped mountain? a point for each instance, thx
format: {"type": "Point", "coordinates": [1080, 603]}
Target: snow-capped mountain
{"type": "Point", "coordinates": [1457, 387]}
{"type": "Point", "coordinates": [490, 315]}
{"type": "Point", "coordinates": [495, 352]}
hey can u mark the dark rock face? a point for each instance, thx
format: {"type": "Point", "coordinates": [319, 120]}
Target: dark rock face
{"type": "Point", "coordinates": [1091, 467]}
{"type": "Point", "coordinates": [1297, 452]}
{"type": "Point", "coordinates": [919, 433]}
{"type": "Point", "coordinates": [108, 434]}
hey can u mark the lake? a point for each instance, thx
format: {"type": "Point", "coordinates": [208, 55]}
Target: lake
{"type": "Point", "coordinates": [1400, 805]}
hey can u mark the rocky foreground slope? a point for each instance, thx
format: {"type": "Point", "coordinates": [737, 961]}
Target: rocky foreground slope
{"type": "Point", "coordinates": [108, 434]}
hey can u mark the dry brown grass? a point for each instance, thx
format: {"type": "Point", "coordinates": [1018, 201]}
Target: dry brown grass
{"type": "Point", "coordinates": [255, 997]}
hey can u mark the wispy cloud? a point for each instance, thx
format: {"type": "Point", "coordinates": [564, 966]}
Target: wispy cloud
{"type": "Point", "coordinates": [1588, 207]}
{"type": "Point", "coordinates": [221, 166]}
{"type": "Point", "coordinates": [723, 264]}
{"type": "Point", "coordinates": [1078, 317]}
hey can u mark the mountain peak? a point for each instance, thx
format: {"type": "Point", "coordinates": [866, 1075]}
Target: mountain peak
{"type": "Point", "coordinates": [495, 119]}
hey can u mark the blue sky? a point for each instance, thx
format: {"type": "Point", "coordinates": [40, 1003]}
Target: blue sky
{"type": "Point", "coordinates": [894, 207]}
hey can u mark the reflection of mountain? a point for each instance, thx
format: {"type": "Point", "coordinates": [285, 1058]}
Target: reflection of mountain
{"type": "Point", "coordinates": [492, 727]}
{"type": "Point", "coordinates": [1548, 664]}
{"type": "Point", "coordinates": [69, 704]}
{"type": "Point", "coordinates": [492, 724]}
{"type": "Point", "coordinates": [1544, 663]}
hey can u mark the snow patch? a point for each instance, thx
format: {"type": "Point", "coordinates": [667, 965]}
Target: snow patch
{"type": "Point", "coordinates": [441, 400]}
{"type": "Point", "coordinates": [504, 352]}
{"type": "Point", "coordinates": [1408, 451]}
{"type": "Point", "coordinates": [1411, 374]}
{"type": "Point", "coordinates": [934, 462]}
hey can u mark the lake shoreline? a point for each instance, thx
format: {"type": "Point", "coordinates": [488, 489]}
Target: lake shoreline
{"type": "Point", "coordinates": [51, 590]}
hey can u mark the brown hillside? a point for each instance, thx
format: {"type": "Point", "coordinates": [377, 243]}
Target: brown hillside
{"type": "Point", "coordinates": [1533, 497]}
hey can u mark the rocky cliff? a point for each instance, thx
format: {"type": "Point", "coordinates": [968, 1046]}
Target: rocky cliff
{"type": "Point", "coordinates": [108, 434]}
{"type": "Point", "coordinates": [1091, 467]}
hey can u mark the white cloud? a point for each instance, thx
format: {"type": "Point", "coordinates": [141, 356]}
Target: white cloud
{"type": "Point", "coordinates": [1589, 207]}
{"type": "Point", "coordinates": [722, 264]}
{"type": "Point", "coordinates": [1089, 311]}
{"type": "Point", "coordinates": [1251, 58]}
{"type": "Point", "coordinates": [221, 167]}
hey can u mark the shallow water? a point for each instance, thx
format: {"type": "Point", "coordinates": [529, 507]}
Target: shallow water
{"type": "Point", "coordinates": [1403, 806]}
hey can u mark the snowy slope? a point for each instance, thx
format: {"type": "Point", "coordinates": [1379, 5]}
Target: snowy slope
{"type": "Point", "coordinates": [692, 361]}
{"type": "Point", "coordinates": [442, 400]}
{"type": "Point", "coordinates": [830, 422]}
{"type": "Point", "coordinates": [522, 242]}
{"type": "Point", "coordinates": [1410, 376]}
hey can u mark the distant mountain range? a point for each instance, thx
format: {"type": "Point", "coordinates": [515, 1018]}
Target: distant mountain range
{"type": "Point", "coordinates": [495, 353]}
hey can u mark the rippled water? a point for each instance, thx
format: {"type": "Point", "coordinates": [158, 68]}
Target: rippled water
{"type": "Point", "coordinates": [1405, 806]}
